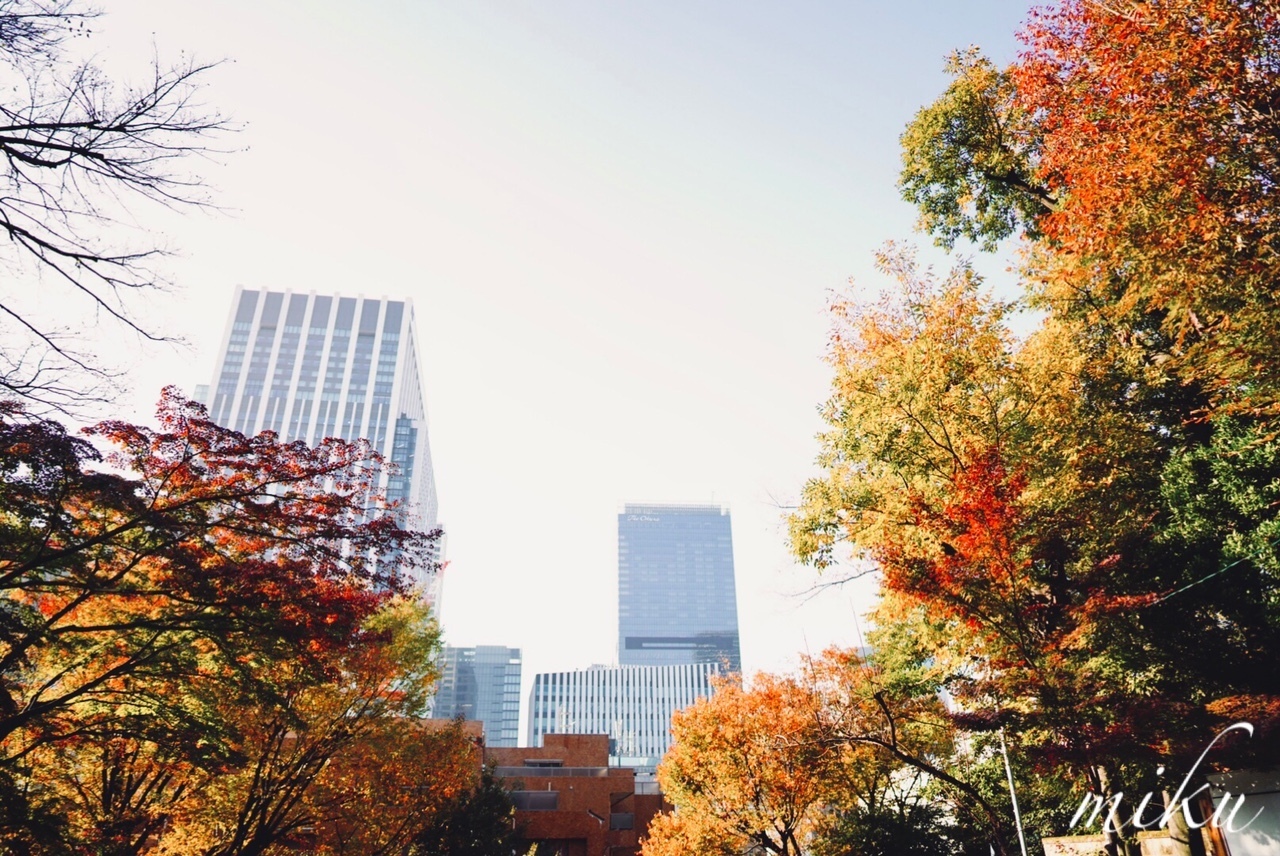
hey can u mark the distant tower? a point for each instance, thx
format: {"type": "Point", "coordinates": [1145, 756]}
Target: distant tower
{"type": "Point", "coordinates": [677, 603]}
{"type": "Point", "coordinates": [311, 366]}
{"type": "Point", "coordinates": [482, 683]}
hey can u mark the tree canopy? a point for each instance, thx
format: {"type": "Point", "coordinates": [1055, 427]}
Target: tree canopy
{"type": "Point", "coordinates": [208, 644]}
{"type": "Point", "coordinates": [842, 754]}
{"type": "Point", "coordinates": [1075, 526]}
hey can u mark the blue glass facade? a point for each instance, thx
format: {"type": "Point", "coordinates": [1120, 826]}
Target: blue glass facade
{"type": "Point", "coordinates": [251, 393]}
{"type": "Point", "coordinates": [335, 372]}
{"type": "Point", "coordinates": [677, 601]}
{"type": "Point", "coordinates": [233, 357]}
{"type": "Point", "coordinates": [386, 375]}
{"type": "Point", "coordinates": [273, 420]}
{"type": "Point", "coordinates": [482, 683]}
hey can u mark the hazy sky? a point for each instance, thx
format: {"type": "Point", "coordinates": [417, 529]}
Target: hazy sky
{"type": "Point", "coordinates": [619, 224]}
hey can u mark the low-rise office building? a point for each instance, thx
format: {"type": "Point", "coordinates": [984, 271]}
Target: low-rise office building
{"type": "Point", "coordinates": [633, 705]}
{"type": "Point", "coordinates": [570, 801]}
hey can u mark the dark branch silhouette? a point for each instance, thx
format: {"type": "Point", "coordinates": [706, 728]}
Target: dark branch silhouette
{"type": "Point", "coordinates": [76, 151]}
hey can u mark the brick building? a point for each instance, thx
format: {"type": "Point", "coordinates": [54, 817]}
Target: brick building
{"type": "Point", "coordinates": [570, 801]}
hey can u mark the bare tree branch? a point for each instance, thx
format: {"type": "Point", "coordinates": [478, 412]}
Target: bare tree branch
{"type": "Point", "coordinates": [75, 152]}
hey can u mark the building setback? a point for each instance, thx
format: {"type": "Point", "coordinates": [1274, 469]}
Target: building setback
{"type": "Point", "coordinates": [631, 704]}
{"type": "Point", "coordinates": [482, 683]}
{"type": "Point", "coordinates": [310, 366]}
{"type": "Point", "coordinates": [677, 603]}
{"type": "Point", "coordinates": [571, 802]}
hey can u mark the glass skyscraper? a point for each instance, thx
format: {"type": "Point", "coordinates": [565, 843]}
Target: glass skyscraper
{"type": "Point", "coordinates": [677, 628]}
{"type": "Point", "coordinates": [676, 598]}
{"type": "Point", "coordinates": [311, 366]}
{"type": "Point", "coordinates": [482, 683]}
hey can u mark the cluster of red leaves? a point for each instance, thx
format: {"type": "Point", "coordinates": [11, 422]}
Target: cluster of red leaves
{"type": "Point", "coordinates": [979, 570]}
{"type": "Point", "coordinates": [1155, 101]}
{"type": "Point", "coordinates": [192, 538]}
{"type": "Point", "coordinates": [260, 523]}
{"type": "Point", "coordinates": [1159, 125]}
{"type": "Point", "coordinates": [1036, 633]}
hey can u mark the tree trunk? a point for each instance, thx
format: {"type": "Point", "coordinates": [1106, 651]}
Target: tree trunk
{"type": "Point", "coordinates": [1111, 823]}
{"type": "Point", "coordinates": [1186, 840]}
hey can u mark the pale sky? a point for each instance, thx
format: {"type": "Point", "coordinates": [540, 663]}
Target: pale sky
{"type": "Point", "coordinates": [619, 224]}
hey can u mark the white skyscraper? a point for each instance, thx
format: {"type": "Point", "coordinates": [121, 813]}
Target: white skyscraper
{"type": "Point", "coordinates": [632, 704]}
{"type": "Point", "coordinates": [311, 366]}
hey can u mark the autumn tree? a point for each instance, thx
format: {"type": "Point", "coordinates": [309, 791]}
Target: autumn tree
{"type": "Point", "coordinates": [1151, 128]}
{"type": "Point", "coordinates": [117, 783]}
{"type": "Point", "coordinates": [907, 782]}
{"type": "Point", "coordinates": [189, 569]}
{"type": "Point", "coordinates": [969, 159]}
{"type": "Point", "coordinates": [924, 383]}
{"type": "Point", "coordinates": [78, 149]}
{"type": "Point", "coordinates": [206, 544]}
{"type": "Point", "coordinates": [747, 772]}
{"type": "Point", "coordinates": [839, 754]}
{"type": "Point", "coordinates": [1022, 494]}
{"type": "Point", "coordinates": [1076, 529]}
{"type": "Point", "coordinates": [344, 766]}
{"type": "Point", "coordinates": [478, 822]}
{"type": "Point", "coordinates": [1168, 170]}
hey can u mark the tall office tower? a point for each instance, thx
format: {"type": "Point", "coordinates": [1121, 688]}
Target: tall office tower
{"type": "Point", "coordinates": [632, 704]}
{"type": "Point", "coordinates": [482, 683]}
{"type": "Point", "coordinates": [311, 366]}
{"type": "Point", "coordinates": [676, 596]}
